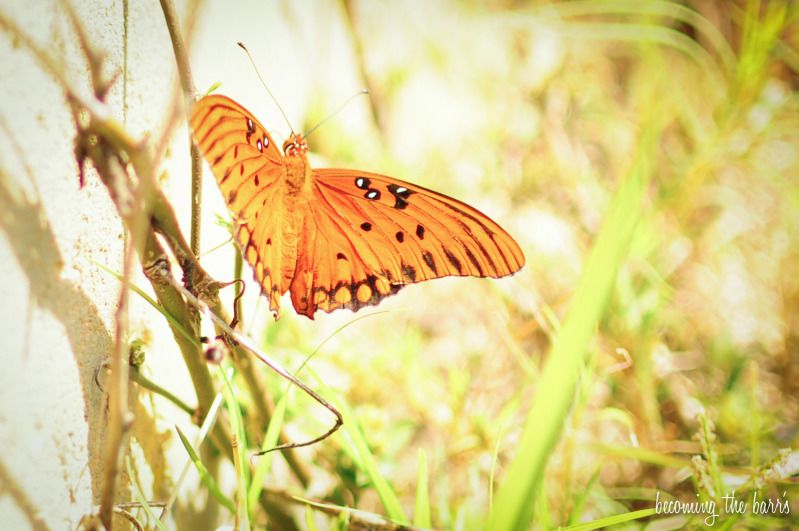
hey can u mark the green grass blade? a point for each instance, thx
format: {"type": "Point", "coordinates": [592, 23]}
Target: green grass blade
{"type": "Point", "coordinates": [556, 387]}
{"type": "Point", "coordinates": [654, 8]}
{"type": "Point", "coordinates": [205, 477]}
{"type": "Point", "coordinates": [265, 461]}
{"type": "Point", "coordinates": [209, 421]}
{"type": "Point", "coordinates": [353, 430]}
{"type": "Point", "coordinates": [643, 455]}
{"type": "Point", "coordinates": [358, 447]}
{"type": "Point", "coordinates": [212, 88]}
{"type": "Point", "coordinates": [310, 523]}
{"type": "Point", "coordinates": [494, 462]}
{"type": "Point", "coordinates": [140, 292]}
{"type": "Point", "coordinates": [583, 495]}
{"type": "Point", "coordinates": [139, 495]}
{"type": "Point", "coordinates": [239, 451]}
{"type": "Point", "coordinates": [421, 508]}
{"type": "Point", "coordinates": [611, 520]}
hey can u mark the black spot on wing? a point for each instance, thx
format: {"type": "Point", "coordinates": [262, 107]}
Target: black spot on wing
{"type": "Point", "coordinates": [400, 236]}
{"type": "Point", "coordinates": [366, 226]}
{"type": "Point", "coordinates": [226, 175]}
{"type": "Point", "coordinates": [430, 261]}
{"type": "Point", "coordinates": [401, 195]}
{"type": "Point", "coordinates": [250, 128]}
{"type": "Point", "coordinates": [408, 272]}
{"type": "Point", "coordinates": [488, 231]}
{"type": "Point", "coordinates": [453, 260]}
{"type": "Point", "coordinates": [341, 256]}
{"type": "Point", "coordinates": [420, 232]}
{"type": "Point", "coordinates": [473, 260]}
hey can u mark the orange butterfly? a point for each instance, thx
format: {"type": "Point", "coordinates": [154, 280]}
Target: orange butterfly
{"type": "Point", "coordinates": [337, 238]}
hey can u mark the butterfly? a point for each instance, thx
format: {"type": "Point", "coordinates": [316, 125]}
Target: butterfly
{"type": "Point", "coordinates": [337, 238]}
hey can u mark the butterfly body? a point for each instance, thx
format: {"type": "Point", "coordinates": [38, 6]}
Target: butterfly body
{"type": "Point", "coordinates": [337, 238]}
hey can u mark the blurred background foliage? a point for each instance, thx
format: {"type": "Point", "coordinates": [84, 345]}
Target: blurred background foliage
{"type": "Point", "coordinates": [535, 114]}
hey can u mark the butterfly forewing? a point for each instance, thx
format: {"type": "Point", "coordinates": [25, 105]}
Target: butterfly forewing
{"type": "Point", "coordinates": [248, 167]}
{"type": "Point", "coordinates": [371, 234]}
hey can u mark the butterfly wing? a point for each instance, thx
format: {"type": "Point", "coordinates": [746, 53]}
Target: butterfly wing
{"type": "Point", "coordinates": [248, 167]}
{"type": "Point", "coordinates": [367, 235]}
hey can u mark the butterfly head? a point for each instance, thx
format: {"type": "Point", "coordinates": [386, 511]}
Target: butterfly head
{"type": "Point", "coordinates": [295, 146]}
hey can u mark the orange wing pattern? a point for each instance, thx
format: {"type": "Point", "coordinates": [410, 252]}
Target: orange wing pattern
{"type": "Point", "coordinates": [248, 167]}
{"type": "Point", "coordinates": [338, 238]}
{"type": "Point", "coordinates": [368, 235]}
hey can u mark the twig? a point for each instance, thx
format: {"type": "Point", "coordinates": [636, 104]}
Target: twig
{"type": "Point", "coordinates": [265, 408]}
{"type": "Point", "coordinates": [189, 91]}
{"type": "Point", "coordinates": [371, 89]}
{"type": "Point", "coordinates": [357, 518]}
{"type": "Point", "coordinates": [107, 144]}
{"type": "Point", "coordinates": [119, 417]}
{"type": "Point", "coordinates": [133, 207]}
{"type": "Point", "coordinates": [154, 259]}
{"type": "Point", "coordinates": [129, 517]}
{"type": "Point", "coordinates": [272, 364]}
{"type": "Point", "coordinates": [134, 201]}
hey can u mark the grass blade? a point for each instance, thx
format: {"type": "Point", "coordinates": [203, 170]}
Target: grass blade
{"type": "Point", "coordinates": [384, 490]}
{"type": "Point", "coordinates": [205, 477]}
{"type": "Point", "coordinates": [611, 520]}
{"type": "Point", "coordinates": [265, 461]}
{"type": "Point", "coordinates": [556, 387]}
{"type": "Point", "coordinates": [239, 451]}
{"type": "Point", "coordinates": [358, 447]}
{"type": "Point", "coordinates": [139, 495]}
{"type": "Point", "coordinates": [421, 508]}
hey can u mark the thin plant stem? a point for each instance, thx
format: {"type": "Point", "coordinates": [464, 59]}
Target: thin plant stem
{"type": "Point", "coordinates": [145, 382]}
{"type": "Point", "coordinates": [189, 91]}
{"type": "Point", "coordinates": [272, 364]}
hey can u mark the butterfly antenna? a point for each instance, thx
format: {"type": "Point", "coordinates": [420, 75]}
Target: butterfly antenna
{"type": "Point", "coordinates": [241, 45]}
{"type": "Point", "coordinates": [334, 113]}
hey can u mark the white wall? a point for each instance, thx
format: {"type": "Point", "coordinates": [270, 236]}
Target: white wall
{"type": "Point", "coordinates": [56, 305]}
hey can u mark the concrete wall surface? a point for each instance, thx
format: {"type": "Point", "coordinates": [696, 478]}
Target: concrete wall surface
{"type": "Point", "coordinates": [57, 306]}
